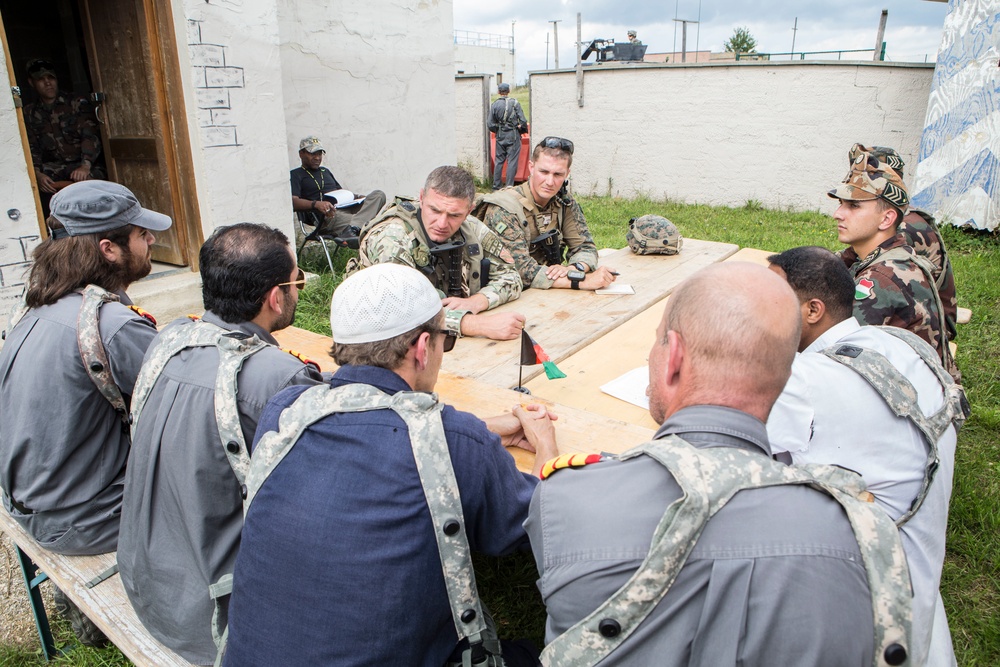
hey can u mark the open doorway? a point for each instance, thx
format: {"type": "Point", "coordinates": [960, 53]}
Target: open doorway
{"type": "Point", "coordinates": [122, 55]}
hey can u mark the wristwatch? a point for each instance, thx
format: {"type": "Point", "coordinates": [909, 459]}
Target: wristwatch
{"type": "Point", "coordinates": [583, 267]}
{"type": "Point", "coordinates": [575, 277]}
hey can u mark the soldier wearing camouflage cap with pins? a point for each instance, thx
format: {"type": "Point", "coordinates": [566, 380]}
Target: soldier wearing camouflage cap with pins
{"type": "Point", "coordinates": [203, 385]}
{"type": "Point", "coordinates": [921, 232]}
{"type": "Point", "coordinates": [697, 548]}
{"type": "Point", "coordinates": [465, 261]}
{"type": "Point", "coordinates": [375, 492]}
{"type": "Point", "coordinates": [877, 401]}
{"type": "Point", "coordinates": [895, 286]}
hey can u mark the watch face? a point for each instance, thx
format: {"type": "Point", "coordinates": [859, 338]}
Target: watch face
{"type": "Point", "coordinates": [576, 275]}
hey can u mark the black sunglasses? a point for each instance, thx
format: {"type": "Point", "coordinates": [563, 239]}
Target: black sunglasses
{"type": "Point", "coordinates": [557, 142]}
{"type": "Point", "coordinates": [449, 338]}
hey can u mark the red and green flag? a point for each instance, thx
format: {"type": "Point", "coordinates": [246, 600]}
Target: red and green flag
{"type": "Point", "coordinates": [533, 354]}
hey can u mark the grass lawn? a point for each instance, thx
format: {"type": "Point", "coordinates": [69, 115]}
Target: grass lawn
{"type": "Point", "coordinates": [971, 580]}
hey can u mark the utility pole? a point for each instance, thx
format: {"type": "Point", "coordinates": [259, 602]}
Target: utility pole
{"type": "Point", "coordinates": [579, 60]}
{"type": "Point", "coordinates": [555, 40]}
{"type": "Point", "coordinates": [795, 29]}
{"type": "Point", "coordinates": [684, 37]}
{"type": "Point", "coordinates": [881, 35]}
{"type": "Point", "coordinates": [546, 50]}
{"type": "Point", "coordinates": [513, 56]}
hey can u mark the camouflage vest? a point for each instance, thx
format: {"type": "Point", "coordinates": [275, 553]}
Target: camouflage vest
{"type": "Point", "coordinates": [901, 397]}
{"type": "Point", "coordinates": [473, 277]}
{"type": "Point", "coordinates": [516, 203]}
{"type": "Point", "coordinates": [709, 478]}
{"type": "Point", "coordinates": [899, 253]}
{"type": "Point", "coordinates": [422, 414]}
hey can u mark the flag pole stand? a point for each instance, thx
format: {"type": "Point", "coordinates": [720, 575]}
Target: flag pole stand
{"type": "Point", "coordinates": [521, 388]}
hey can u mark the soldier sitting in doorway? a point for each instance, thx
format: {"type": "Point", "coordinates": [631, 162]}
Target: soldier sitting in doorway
{"type": "Point", "coordinates": [62, 133]}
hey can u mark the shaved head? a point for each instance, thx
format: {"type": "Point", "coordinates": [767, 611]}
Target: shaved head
{"type": "Point", "coordinates": [735, 329]}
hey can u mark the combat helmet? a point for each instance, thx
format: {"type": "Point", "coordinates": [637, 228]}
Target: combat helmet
{"type": "Point", "coordinates": [653, 235]}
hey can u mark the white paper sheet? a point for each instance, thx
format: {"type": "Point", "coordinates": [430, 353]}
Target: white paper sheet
{"type": "Point", "coordinates": [630, 387]}
{"type": "Point", "coordinates": [616, 288]}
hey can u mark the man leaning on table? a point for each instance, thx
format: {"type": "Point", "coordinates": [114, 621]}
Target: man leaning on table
{"type": "Point", "coordinates": [744, 561]}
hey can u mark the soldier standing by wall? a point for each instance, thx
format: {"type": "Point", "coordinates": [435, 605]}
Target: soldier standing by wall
{"type": "Point", "coordinates": [506, 118]}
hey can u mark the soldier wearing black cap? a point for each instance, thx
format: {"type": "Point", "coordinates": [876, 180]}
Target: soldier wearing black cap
{"type": "Point", "coordinates": [506, 119]}
{"type": "Point", "coordinates": [62, 133]}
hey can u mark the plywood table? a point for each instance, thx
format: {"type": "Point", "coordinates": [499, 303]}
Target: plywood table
{"type": "Point", "coordinates": [612, 355]}
{"type": "Point", "coordinates": [576, 430]}
{"type": "Point", "coordinates": [564, 321]}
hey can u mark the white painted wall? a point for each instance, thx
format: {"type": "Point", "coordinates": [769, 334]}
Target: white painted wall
{"type": "Point", "coordinates": [375, 82]}
{"type": "Point", "coordinates": [472, 99]}
{"type": "Point", "coordinates": [484, 60]}
{"type": "Point", "coordinates": [230, 62]}
{"type": "Point", "coordinates": [774, 132]}
{"type": "Point", "coordinates": [18, 216]}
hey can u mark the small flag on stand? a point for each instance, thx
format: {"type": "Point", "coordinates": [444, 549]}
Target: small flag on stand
{"type": "Point", "coordinates": [532, 354]}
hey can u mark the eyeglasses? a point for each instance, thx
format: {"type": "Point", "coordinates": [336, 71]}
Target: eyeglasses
{"type": "Point", "coordinates": [557, 142]}
{"type": "Point", "coordinates": [449, 338]}
{"type": "Point", "coordinates": [300, 280]}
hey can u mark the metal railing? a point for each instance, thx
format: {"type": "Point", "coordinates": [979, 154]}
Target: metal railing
{"type": "Point", "coordinates": [802, 54]}
{"type": "Point", "coordinates": [472, 38]}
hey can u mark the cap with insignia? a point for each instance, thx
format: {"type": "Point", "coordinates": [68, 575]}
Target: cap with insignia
{"type": "Point", "coordinates": [311, 145]}
{"type": "Point", "coordinates": [883, 153]}
{"type": "Point", "coordinates": [870, 178]}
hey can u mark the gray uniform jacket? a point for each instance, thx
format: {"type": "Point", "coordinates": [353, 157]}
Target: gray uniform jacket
{"type": "Point", "coordinates": [182, 513]}
{"type": "Point", "coordinates": [62, 446]}
{"type": "Point", "coordinates": [506, 130]}
{"type": "Point", "coordinates": [776, 578]}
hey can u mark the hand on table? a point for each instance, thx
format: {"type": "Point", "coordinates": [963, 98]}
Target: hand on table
{"type": "Point", "coordinates": [495, 326]}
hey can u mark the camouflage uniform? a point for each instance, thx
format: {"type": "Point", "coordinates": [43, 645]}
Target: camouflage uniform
{"type": "Point", "coordinates": [513, 214]}
{"type": "Point", "coordinates": [897, 292]}
{"type": "Point", "coordinates": [921, 233]}
{"type": "Point", "coordinates": [63, 136]}
{"type": "Point", "coordinates": [398, 236]}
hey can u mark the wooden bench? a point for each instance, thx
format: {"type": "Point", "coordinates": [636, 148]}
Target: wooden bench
{"type": "Point", "coordinates": [105, 603]}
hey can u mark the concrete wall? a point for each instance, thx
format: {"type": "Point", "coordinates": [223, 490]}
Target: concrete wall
{"type": "Point", "coordinates": [375, 82]}
{"type": "Point", "coordinates": [472, 102]}
{"type": "Point", "coordinates": [18, 216]}
{"type": "Point", "coordinates": [230, 61]}
{"type": "Point", "coordinates": [777, 133]}
{"type": "Point", "coordinates": [485, 60]}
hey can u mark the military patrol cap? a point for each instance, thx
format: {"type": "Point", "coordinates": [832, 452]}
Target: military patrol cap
{"type": "Point", "coordinates": [653, 235]}
{"type": "Point", "coordinates": [503, 88]}
{"type": "Point", "coordinates": [870, 178]}
{"type": "Point", "coordinates": [38, 67]}
{"type": "Point", "coordinates": [91, 207]}
{"type": "Point", "coordinates": [311, 145]}
{"type": "Point", "coordinates": [883, 153]}
{"type": "Point", "coordinates": [381, 302]}
{"type": "Point", "coordinates": [631, 33]}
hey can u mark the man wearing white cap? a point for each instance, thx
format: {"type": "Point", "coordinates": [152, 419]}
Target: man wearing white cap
{"type": "Point", "coordinates": [370, 490]}
{"type": "Point", "coordinates": [68, 367]}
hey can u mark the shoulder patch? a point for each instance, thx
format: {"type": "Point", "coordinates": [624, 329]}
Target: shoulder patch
{"type": "Point", "coordinates": [193, 318]}
{"type": "Point", "coordinates": [304, 359]}
{"type": "Point", "coordinates": [865, 289]}
{"type": "Point", "coordinates": [499, 227]}
{"type": "Point", "coordinates": [142, 313]}
{"type": "Point", "coordinates": [569, 461]}
{"type": "Point", "coordinates": [407, 205]}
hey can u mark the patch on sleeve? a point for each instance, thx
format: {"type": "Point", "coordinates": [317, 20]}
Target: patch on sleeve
{"type": "Point", "coordinates": [499, 227]}
{"type": "Point", "coordinates": [569, 461]}
{"type": "Point", "coordinates": [865, 289]}
{"type": "Point", "coordinates": [142, 313]}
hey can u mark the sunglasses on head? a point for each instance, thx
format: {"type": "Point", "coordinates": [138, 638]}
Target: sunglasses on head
{"type": "Point", "coordinates": [449, 338]}
{"type": "Point", "coordinates": [558, 143]}
{"type": "Point", "coordinates": [300, 280]}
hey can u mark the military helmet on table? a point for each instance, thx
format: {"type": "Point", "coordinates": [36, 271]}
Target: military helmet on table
{"type": "Point", "coordinates": [653, 235]}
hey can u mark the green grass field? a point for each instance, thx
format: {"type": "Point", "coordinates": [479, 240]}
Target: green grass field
{"type": "Point", "coordinates": [971, 580]}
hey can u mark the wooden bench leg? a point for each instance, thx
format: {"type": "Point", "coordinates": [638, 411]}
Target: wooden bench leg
{"type": "Point", "coordinates": [32, 579]}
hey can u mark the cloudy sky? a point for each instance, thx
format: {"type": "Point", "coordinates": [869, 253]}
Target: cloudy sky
{"type": "Point", "coordinates": [913, 31]}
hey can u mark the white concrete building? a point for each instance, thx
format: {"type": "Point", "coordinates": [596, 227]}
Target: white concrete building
{"type": "Point", "coordinates": [206, 101]}
{"type": "Point", "coordinates": [485, 53]}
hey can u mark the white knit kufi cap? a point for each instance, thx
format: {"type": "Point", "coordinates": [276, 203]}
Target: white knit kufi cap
{"type": "Point", "coordinates": [381, 302]}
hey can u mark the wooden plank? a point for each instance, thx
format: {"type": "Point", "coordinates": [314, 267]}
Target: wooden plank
{"type": "Point", "coordinates": [576, 430]}
{"type": "Point", "coordinates": [564, 321]}
{"type": "Point", "coordinates": [106, 604]}
{"type": "Point", "coordinates": [612, 355]}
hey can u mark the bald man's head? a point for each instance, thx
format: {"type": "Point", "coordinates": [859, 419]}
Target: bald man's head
{"type": "Point", "coordinates": [737, 328]}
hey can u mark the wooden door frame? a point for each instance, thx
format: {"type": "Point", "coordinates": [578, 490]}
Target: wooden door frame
{"type": "Point", "coordinates": [22, 129]}
{"type": "Point", "coordinates": [176, 141]}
